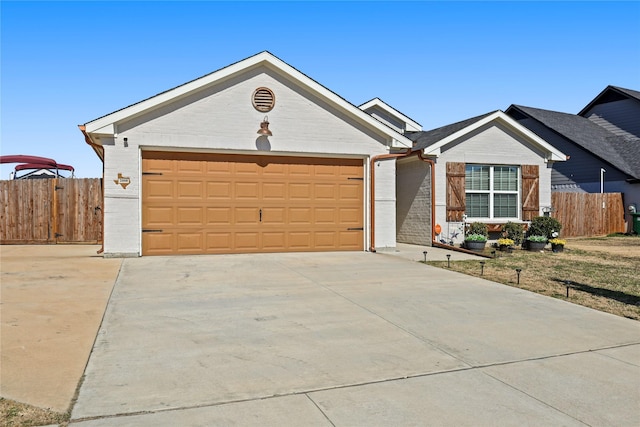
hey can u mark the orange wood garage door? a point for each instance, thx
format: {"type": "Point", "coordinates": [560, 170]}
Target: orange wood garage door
{"type": "Point", "coordinates": [206, 204]}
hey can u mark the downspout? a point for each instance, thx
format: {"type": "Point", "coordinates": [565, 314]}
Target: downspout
{"type": "Point", "coordinates": [98, 149]}
{"type": "Point", "coordinates": [372, 198]}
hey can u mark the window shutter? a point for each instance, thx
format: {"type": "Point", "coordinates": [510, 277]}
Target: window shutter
{"type": "Point", "coordinates": [455, 191]}
{"type": "Point", "coordinates": [530, 192]}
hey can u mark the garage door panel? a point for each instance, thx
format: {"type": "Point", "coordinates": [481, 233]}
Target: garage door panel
{"type": "Point", "coordinates": [246, 190]}
{"type": "Point", "coordinates": [325, 171]}
{"type": "Point", "coordinates": [158, 243]}
{"type": "Point", "coordinates": [350, 216]}
{"type": "Point", "coordinates": [350, 239]}
{"type": "Point", "coordinates": [274, 171]}
{"type": "Point", "coordinates": [246, 241]}
{"type": "Point", "coordinates": [190, 242]}
{"type": "Point", "coordinates": [243, 216]}
{"type": "Point", "coordinates": [326, 216]}
{"type": "Point", "coordinates": [245, 169]}
{"type": "Point", "coordinates": [274, 216]}
{"type": "Point", "coordinates": [274, 241]}
{"type": "Point", "coordinates": [220, 191]}
{"type": "Point", "coordinates": [206, 203]}
{"type": "Point", "coordinates": [158, 216]}
{"type": "Point", "coordinates": [300, 191]}
{"type": "Point", "coordinates": [190, 167]}
{"type": "Point", "coordinates": [190, 190]}
{"type": "Point", "coordinates": [219, 242]}
{"type": "Point", "coordinates": [219, 168]}
{"type": "Point", "coordinates": [325, 191]}
{"type": "Point", "coordinates": [300, 216]}
{"type": "Point", "coordinates": [159, 189]}
{"type": "Point", "coordinates": [350, 192]}
{"type": "Point", "coordinates": [219, 216]}
{"type": "Point", "coordinates": [327, 240]}
{"type": "Point", "coordinates": [274, 191]}
{"type": "Point", "coordinates": [300, 240]}
{"type": "Point", "coordinates": [190, 216]}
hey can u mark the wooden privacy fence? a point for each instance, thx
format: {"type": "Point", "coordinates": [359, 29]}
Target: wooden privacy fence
{"type": "Point", "coordinates": [58, 210]}
{"type": "Point", "coordinates": [588, 214]}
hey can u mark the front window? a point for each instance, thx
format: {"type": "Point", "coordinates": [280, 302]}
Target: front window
{"type": "Point", "coordinates": [492, 192]}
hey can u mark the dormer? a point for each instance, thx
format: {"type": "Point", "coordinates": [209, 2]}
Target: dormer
{"type": "Point", "coordinates": [391, 117]}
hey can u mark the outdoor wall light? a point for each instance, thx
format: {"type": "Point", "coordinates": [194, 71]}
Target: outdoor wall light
{"type": "Point", "coordinates": [264, 128]}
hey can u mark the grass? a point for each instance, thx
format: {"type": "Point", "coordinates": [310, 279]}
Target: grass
{"type": "Point", "coordinates": [602, 273]}
{"type": "Point", "coordinates": [16, 414]}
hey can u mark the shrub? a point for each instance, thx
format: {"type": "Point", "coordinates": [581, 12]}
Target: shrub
{"type": "Point", "coordinates": [537, 238]}
{"type": "Point", "coordinates": [479, 228]}
{"type": "Point", "coordinates": [513, 231]}
{"type": "Point", "coordinates": [544, 226]}
{"type": "Point", "coordinates": [475, 238]}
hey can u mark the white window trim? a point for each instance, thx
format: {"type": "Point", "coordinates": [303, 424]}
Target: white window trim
{"type": "Point", "coordinates": [491, 192]}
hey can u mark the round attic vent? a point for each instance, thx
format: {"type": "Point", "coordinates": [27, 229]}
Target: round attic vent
{"type": "Point", "coordinates": [263, 99]}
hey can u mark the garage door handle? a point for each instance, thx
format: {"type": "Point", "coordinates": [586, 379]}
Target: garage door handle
{"type": "Point", "coordinates": [355, 229]}
{"type": "Point", "coordinates": [260, 215]}
{"type": "Point", "coordinates": [146, 230]}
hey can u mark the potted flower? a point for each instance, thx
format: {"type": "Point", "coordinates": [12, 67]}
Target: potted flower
{"type": "Point", "coordinates": [557, 245]}
{"type": "Point", "coordinates": [475, 242]}
{"type": "Point", "coordinates": [505, 243]}
{"type": "Point", "coordinates": [536, 242]}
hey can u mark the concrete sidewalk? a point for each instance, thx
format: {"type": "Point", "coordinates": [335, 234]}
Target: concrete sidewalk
{"type": "Point", "coordinates": [349, 339]}
{"type": "Point", "coordinates": [53, 300]}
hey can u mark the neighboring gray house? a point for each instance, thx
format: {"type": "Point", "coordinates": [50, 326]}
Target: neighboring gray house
{"type": "Point", "coordinates": [602, 143]}
{"type": "Point", "coordinates": [488, 168]}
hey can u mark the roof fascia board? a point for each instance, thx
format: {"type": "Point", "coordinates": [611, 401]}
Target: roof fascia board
{"type": "Point", "coordinates": [553, 154]}
{"type": "Point", "coordinates": [264, 58]}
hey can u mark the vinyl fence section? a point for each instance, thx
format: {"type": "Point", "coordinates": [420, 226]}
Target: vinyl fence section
{"type": "Point", "coordinates": [588, 214]}
{"type": "Point", "coordinates": [47, 211]}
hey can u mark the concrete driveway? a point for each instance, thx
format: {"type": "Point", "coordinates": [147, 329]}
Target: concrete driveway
{"type": "Point", "coordinates": [349, 339]}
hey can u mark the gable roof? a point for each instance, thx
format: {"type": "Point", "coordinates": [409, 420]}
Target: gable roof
{"type": "Point", "coordinates": [611, 93]}
{"type": "Point", "coordinates": [432, 141]}
{"type": "Point", "coordinates": [620, 152]}
{"type": "Point", "coordinates": [106, 124]}
{"type": "Point", "coordinates": [377, 102]}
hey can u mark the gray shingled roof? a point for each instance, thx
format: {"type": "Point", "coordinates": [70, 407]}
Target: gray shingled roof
{"type": "Point", "coordinates": [623, 153]}
{"type": "Point", "coordinates": [424, 139]}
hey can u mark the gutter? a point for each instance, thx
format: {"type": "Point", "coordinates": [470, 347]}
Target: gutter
{"type": "Point", "coordinates": [99, 149]}
{"type": "Point", "coordinates": [372, 201]}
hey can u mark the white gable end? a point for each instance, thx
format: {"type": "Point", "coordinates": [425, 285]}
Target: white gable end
{"type": "Point", "coordinates": [222, 117]}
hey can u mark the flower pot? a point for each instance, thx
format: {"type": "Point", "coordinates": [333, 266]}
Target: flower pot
{"type": "Point", "coordinates": [504, 248]}
{"type": "Point", "coordinates": [475, 246]}
{"type": "Point", "coordinates": [557, 248]}
{"type": "Point", "coordinates": [536, 246]}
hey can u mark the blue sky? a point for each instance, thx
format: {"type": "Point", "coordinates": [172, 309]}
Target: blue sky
{"type": "Point", "coordinates": [67, 63]}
